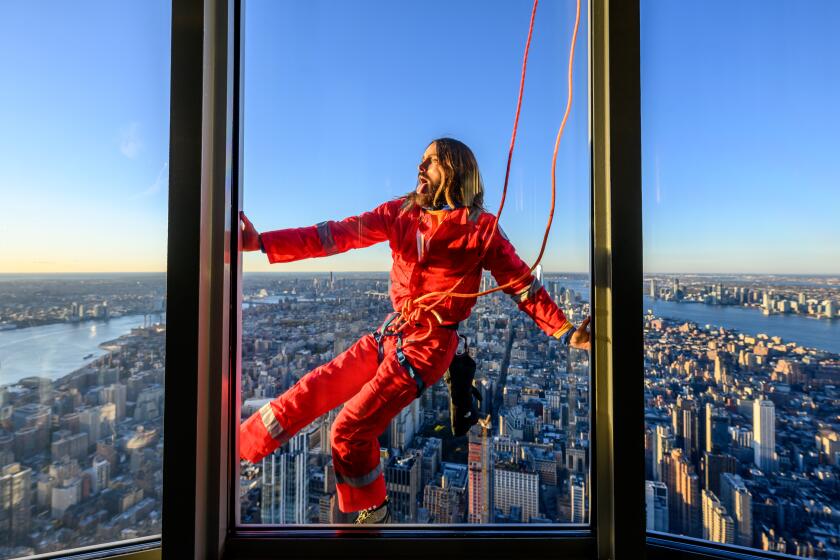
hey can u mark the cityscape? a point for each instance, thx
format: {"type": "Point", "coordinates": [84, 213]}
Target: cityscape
{"type": "Point", "coordinates": [530, 466]}
{"type": "Point", "coordinates": [81, 454]}
{"type": "Point", "coordinates": [742, 443]}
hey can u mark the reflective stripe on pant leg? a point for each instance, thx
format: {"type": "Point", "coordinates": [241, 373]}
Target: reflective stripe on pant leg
{"type": "Point", "coordinates": [359, 481]}
{"type": "Point", "coordinates": [355, 445]}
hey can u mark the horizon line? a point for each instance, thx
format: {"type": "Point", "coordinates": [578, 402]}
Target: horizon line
{"type": "Point", "coordinates": [646, 273]}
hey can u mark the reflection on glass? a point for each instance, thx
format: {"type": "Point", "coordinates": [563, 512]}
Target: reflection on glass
{"type": "Point", "coordinates": [742, 334]}
{"type": "Point", "coordinates": [82, 281]}
{"type": "Point", "coordinates": [341, 102]}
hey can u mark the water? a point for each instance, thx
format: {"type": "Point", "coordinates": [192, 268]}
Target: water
{"type": "Point", "coordinates": [805, 331]}
{"type": "Point", "coordinates": [53, 351]}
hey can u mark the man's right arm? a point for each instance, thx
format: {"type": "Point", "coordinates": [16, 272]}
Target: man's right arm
{"type": "Point", "coordinates": [330, 237]}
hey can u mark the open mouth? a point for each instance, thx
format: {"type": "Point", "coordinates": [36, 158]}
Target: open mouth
{"type": "Point", "coordinates": [422, 185]}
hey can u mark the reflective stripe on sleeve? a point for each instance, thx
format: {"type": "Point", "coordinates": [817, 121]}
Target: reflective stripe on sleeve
{"type": "Point", "coordinates": [326, 237]}
{"type": "Point", "coordinates": [272, 426]}
{"type": "Point", "coordinates": [359, 481]}
{"type": "Point", "coordinates": [528, 292]}
{"type": "Point", "coordinates": [567, 326]}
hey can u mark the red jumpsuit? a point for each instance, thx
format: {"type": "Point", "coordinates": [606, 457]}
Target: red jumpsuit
{"type": "Point", "coordinates": [430, 254]}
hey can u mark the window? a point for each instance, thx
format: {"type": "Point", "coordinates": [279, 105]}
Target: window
{"type": "Point", "coordinates": [340, 101]}
{"type": "Point", "coordinates": [741, 264]}
{"type": "Point", "coordinates": [83, 184]}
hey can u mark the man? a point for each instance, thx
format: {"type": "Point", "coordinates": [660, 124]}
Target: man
{"type": "Point", "coordinates": [439, 235]}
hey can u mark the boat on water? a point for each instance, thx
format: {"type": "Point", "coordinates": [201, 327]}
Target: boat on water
{"type": "Point", "coordinates": [88, 357]}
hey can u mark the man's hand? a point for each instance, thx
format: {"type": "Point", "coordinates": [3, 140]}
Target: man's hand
{"type": "Point", "coordinates": [249, 234]}
{"type": "Point", "coordinates": [580, 338]}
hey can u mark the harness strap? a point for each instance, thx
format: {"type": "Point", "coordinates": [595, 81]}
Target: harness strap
{"type": "Point", "coordinates": [379, 336]}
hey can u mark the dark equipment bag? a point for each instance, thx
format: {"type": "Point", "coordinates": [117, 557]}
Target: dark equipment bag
{"type": "Point", "coordinates": [463, 395]}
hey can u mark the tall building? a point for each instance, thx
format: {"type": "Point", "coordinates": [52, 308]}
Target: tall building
{"type": "Point", "coordinates": [723, 369]}
{"type": "Point", "coordinates": [714, 465]}
{"type": "Point", "coordinates": [117, 394]}
{"type": "Point", "coordinates": [738, 502]}
{"type": "Point", "coordinates": [404, 425]}
{"type": "Point", "coordinates": [764, 434]}
{"type": "Point", "coordinates": [480, 482]}
{"type": "Point", "coordinates": [325, 428]}
{"type": "Point", "coordinates": [663, 443]}
{"type": "Point", "coordinates": [718, 526]}
{"type": "Point", "coordinates": [717, 429]}
{"type": "Point", "coordinates": [445, 497]}
{"type": "Point", "coordinates": [578, 500]}
{"type": "Point", "coordinates": [652, 288]}
{"type": "Point", "coordinates": [686, 424]}
{"type": "Point", "coordinates": [683, 494]}
{"type": "Point", "coordinates": [656, 506]}
{"type": "Point", "coordinates": [285, 485]}
{"type": "Point", "coordinates": [516, 486]}
{"type": "Point", "coordinates": [402, 480]}
{"type": "Point", "coordinates": [15, 502]}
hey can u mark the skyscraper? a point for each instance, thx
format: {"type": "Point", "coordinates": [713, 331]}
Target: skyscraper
{"type": "Point", "coordinates": [738, 502]}
{"type": "Point", "coordinates": [285, 487]}
{"type": "Point", "coordinates": [714, 465]}
{"type": "Point", "coordinates": [480, 485]}
{"type": "Point", "coordinates": [717, 429]}
{"type": "Point", "coordinates": [402, 479]}
{"type": "Point", "coordinates": [656, 506]}
{"type": "Point", "coordinates": [578, 500]}
{"type": "Point", "coordinates": [686, 425]}
{"type": "Point", "coordinates": [15, 501]}
{"type": "Point", "coordinates": [516, 486]}
{"type": "Point", "coordinates": [683, 494]}
{"type": "Point", "coordinates": [764, 434]}
{"type": "Point", "coordinates": [718, 526]}
{"type": "Point", "coordinates": [663, 443]}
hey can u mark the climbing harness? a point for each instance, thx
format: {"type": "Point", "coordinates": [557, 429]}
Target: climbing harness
{"type": "Point", "coordinates": [386, 329]}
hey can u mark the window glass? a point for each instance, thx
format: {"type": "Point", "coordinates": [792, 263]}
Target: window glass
{"type": "Point", "coordinates": [342, 100]}
{"type": "Point", "coordinates": [83, 180]}
{"type": "Point", "coordinates": [742, 337]}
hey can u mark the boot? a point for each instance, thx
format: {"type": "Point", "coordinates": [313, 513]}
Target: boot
{"type": "Point", "coordinates": [374, 516]}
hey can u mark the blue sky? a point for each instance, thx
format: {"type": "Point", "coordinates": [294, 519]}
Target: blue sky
{"type": "Point", "coordinates": [343, 97]}
{"type": "Point", "coordinates": [84, 111]}
{"type": "Point", "coordinates": [739, 120]}
{"type": "Point", "coordinates": [740, 141]}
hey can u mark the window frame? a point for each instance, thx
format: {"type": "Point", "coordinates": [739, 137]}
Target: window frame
{"type": "Point", "coordinates": [204, 313]}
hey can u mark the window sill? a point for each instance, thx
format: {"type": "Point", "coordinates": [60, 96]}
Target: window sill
{"type": "Point", "coordinates": [672, 547]}
{"type": "Point", "coordinates": [412, 542]}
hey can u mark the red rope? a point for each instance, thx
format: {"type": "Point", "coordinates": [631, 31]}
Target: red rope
{"type": "Point", "coordinates": [413, 310]}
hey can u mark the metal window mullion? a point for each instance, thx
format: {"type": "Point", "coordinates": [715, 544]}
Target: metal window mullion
{"type": "Point", "coordinates": [617, 275]}
{"type": "Point", "coordinates": [196, 478]}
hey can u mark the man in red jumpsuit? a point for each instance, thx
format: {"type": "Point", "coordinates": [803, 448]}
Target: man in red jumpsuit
{"type": "Point", "coordinates": [438, 235]}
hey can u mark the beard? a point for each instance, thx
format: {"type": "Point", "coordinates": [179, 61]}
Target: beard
{"type": "Point", "coordinates": [424, 193]}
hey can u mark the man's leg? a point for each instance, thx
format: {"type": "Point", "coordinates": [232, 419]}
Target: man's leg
{"type": "Point", "coordinates": [315, 394]}
{"type": "Point", "coordinates": [355, 432]}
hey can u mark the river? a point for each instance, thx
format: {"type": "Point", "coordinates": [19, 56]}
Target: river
{"type": "Point", "coordinates": [53, 351]}
{"type": "Point", "coordinates": [805, 331]}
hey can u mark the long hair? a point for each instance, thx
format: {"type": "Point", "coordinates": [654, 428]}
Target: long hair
{"type": "Point", "coordinates": [461, 184]}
